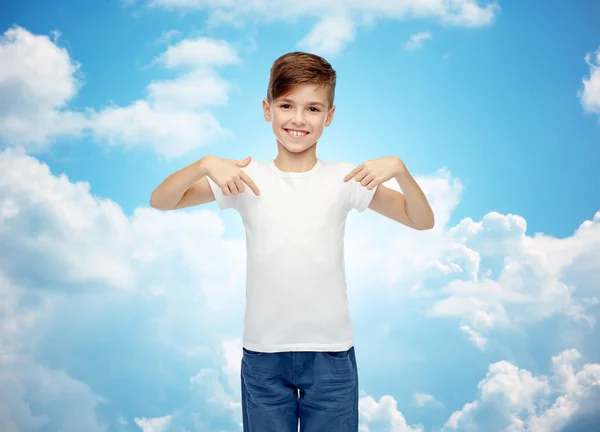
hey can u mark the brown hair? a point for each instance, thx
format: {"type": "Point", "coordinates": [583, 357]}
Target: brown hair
{"type": "Point", "coordinates": [298, 68]}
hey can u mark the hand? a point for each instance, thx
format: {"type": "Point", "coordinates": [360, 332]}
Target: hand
{"type": "Point", "coordinates": [376, 171]}
{"type": "Point", "coordinates": [228, 175]}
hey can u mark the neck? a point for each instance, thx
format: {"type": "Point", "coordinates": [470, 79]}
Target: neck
{"type": "Point", "coordinates": [287, 161]}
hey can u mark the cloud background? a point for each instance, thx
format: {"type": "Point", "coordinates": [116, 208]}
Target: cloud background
{"type": "Point", "coordinates": [118, 317]}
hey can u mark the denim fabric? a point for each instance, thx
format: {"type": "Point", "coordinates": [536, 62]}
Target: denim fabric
{"type": "Point", "coordinates": [317, 390]}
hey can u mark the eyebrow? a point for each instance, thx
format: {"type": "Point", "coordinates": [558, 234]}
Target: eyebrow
{"type": "Point", "coordinates": [310, 103]}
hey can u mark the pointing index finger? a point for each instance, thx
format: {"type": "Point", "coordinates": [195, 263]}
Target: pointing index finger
{"type": "Point", "coordinates": [352, 173]}
{"type": "Point", "coordinates": [250, 183]}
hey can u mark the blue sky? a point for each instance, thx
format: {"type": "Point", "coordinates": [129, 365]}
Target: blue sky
{"type": "Point", "coordinates": [118, 317]}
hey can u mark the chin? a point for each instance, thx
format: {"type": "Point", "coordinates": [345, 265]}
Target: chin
{"type": "Point", "coordinates": [296, 148]}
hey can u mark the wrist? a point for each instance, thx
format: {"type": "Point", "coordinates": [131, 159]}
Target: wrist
{"type": "Point", "coordinates": [202, 165]}
{"type": "Point", "coordinates": [401, 168]}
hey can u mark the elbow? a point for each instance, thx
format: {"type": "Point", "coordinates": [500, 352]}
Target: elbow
{"type": "Point", "coordinates": [425, 226]}
{"type": "Point", "coordinates": [156, 204]}
{"type": "Point", "coordinates": [153, 202]}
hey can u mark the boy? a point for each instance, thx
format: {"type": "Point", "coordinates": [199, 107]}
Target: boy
{"type": "Point", "coordinates": [298, 359]}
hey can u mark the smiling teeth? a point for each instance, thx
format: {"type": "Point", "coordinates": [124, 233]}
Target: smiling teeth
{"type": "Point", "coordinates": [297, 133]}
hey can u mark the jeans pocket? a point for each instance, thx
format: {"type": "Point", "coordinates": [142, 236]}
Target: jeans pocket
{"type": "Point", "coordinates": [337, 355]}
{"type": "Point", "coordinates": [252, 353]}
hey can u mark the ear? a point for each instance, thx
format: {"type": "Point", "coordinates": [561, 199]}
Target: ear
{"type": "Point", "coordinates": [329, 117]}
{"type": "Point", "coordinates": [266, 109]}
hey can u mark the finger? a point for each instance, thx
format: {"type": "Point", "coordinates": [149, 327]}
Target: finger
{"type": "Point", "coordinates": [371, 185]}
{"type": "Point", "coordinates": [240, 185]}
{"type": "Point", "coordinates": [361, 175]}
{"type": "Point", "coordinates": [368, 179]}
{"type": "Point", "coordinates": [353, 172]}
{"type": "Point", "coordinates": [232, 187]}
{"type": "Point", "coordinates": [243, 163]}
{"type": "Point", "coordinates": [225, 189]}
{"type": "Point", "coordinates": [246, 179]}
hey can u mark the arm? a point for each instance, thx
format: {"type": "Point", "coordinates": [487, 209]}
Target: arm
{"type": "Point", "coordinates": [410, 209]}
{"type": "Point", "coordinates": [184, 188]}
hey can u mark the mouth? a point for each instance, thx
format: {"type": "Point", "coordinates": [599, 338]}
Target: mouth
{"type": "Point", "coordinates": [295, 133]}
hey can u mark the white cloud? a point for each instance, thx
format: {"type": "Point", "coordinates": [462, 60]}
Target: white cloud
{"type": "Point", "coordinates": [513, 399]}
{"type": "Point", "coordinates": [485, 275]}
{"type": "Point", "coordinates": [166, 132]}
{"type": "Point", "coordinates": [419, 251]}
{"type": "Point", "coordinates": [190, 92]}
{"type": "Point", "coordinates": [34, 396]}
{"type": "Point", "coordinates": [82, 240]}
{"type": "Point", "coordinates": [478, 340]}
{"type": "Point", "coordinates": [158, 424]}
{"type": "Point", "coordinates": [467, 13]}
{"type": "Point", "coordinates": [39, 78]}
{"type": "Point", "coordinates": [456, 12]}
{"type": "Point", "coordinates": [336, 20]}
{"type": "Point", "coordinates": [416, 40]}
{"type": "Point", "coordinates": [198, 53]}
{"type": "Point", "coordinates": [590, 95]}
{"type": "Point", "coordinates": [174, 118]}
{"type": "Point", "coordinates": [206, 396]}
{"type": "Point", "coordinates": [329, 36]}
{"type": "Point", "coordinates": [516, 279]}
{"type": "Point", "coordinates": [232, 352]}
{"type": "Point", "coordinates": [78, 241]}
{"type": "Point", "coordinates": [87, 255]}
{"type": "Point", "coordinates": [382, 416]}
{"type": "Point", "coordinates": [167, 36]}
{"type": "Point", "coordinates": [61, 402]}
{"type": "Point", "coordinates": [424, 399]}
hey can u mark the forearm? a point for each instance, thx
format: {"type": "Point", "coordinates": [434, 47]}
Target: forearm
{"type": "Point", "coordinates": [417, 207]}
{"type": "Point", "coordinates": [172, 189]}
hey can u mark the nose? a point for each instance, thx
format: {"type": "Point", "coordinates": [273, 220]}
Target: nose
{"type": "Point", "coordinates": [299, 118]}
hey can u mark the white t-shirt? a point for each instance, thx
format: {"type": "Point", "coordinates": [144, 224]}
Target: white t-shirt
{"type": "Point", "coordinates": [296, 297]}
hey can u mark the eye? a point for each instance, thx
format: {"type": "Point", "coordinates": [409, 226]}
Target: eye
{"type": "Point", "coordinates": [314, 109]}
{"type": "Point", "coordinates": [284, 106]}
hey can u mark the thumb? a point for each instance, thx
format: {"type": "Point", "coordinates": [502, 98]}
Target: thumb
{"type": "Point", "coordinates": [244, 162]}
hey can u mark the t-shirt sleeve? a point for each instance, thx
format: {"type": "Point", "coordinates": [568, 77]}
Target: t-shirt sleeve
{"type": "Point", "coordinates": [223, 201]}
{"type": "Point", "coordinates": [359, 196]}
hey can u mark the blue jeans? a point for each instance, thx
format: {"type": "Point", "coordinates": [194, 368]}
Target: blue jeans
{"type": "Point", "coordinates": [317, 389]}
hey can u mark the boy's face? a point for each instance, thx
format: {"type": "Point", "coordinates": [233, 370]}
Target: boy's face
{"type": "Point", "coordinates": [298, 118]}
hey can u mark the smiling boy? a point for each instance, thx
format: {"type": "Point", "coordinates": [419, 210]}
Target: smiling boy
{"type": "Point", "coordinates": [298, 358]}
